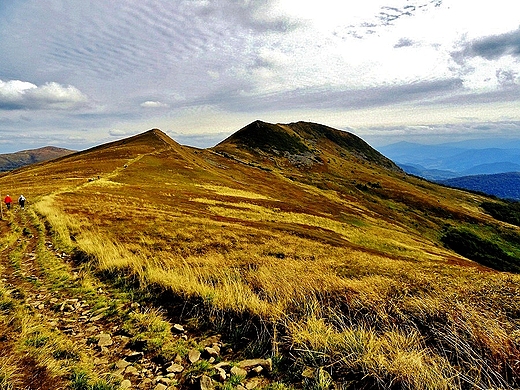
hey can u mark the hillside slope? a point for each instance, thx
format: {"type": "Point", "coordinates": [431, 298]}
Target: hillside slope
{"type": "Point", "coordinates": [336, 264]}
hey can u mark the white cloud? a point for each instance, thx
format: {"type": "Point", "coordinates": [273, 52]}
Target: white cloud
{"type": "Point", "coordinates": [17, 94]}
{"type": "Point", "coordinates": [280, 60]}
{"type": "Point", "coordinates": [153, 104]}
{"type": "Point", "coordinates": [12, 92]}
{"type": "Point", "coordinates": [117, 133]}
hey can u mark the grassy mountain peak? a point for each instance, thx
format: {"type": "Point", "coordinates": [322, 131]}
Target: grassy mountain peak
{"type": "Point", "coordinates": [267, 137]}
{"type": "Point", "coordinates": [293, 242]}
{"type": "Point", "coordinates": [305, 143]}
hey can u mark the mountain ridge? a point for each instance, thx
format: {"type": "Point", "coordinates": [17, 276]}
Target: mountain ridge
{"type": "Point", "coordinates": [503, 185]}
{"type": "Point", "coordinates": [10, 161]}
{"type": "Point", "coordinates": [322, 252]}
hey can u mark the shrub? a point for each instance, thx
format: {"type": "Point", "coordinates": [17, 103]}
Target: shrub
{"type": "Point", "coordinates": [480, 250]}
{"type": "Point", "coordinates": [507, 212]}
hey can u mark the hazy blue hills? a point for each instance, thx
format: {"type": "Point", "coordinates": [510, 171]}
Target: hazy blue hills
{"type": "Point", "coordinates": [456, 159]}
{"type": "Point", "coordinates": [491, 166]}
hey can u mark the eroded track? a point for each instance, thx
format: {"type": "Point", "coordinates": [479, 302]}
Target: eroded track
{"type": "Point", "coordinates": [53, 317]}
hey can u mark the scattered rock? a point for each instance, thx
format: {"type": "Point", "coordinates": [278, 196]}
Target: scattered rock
{"type": "Point", "coordinates": [253, 383]}
{"type": "Point", "coordinates": [166, 381]}
{"type": "Point", "coordinates": [175, 368]}
{"type": "Point", "coordinates": [211, 340]}
{"type": "Point", "coordinates": [194, 355]}
{"type": "Point", "coordinates": [178, 328]}
{"type": "Point", "coordinates": [104, 340]}
{"type": "Point", "coordinates": [206, 383]}
{"type": "Point", "coordinates": [221, 374]}
{"type": "Point", "coordinates": [134, 357]}
{"type": "Point", "coordinates": [237, 371]}
{"type": "Point", "coordinates": [251, 363]}
{"type": "Point", "coordinates": [126, 384]}
{"type": "Point", "coordinates": [212, 352]}
{"type": "Point", "coordinates": [160, 386]}
{"type": "Point", "coordinates": [216, 347]}
{"type": "Point", "coordinates": [222, 365]}
{"type": "Point", "coordinates": [122, 364]}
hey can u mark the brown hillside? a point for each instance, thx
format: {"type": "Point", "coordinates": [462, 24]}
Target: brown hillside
{"type": "Point", "coordinates": [16, 160]}
{"type": "Point", "coordinates": [294, 242]}
{"type": "Point", "coordinates": [92, 164]}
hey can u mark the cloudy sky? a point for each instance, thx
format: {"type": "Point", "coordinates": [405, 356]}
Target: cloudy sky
{"type": "Point", "coordinates": [76, 73]}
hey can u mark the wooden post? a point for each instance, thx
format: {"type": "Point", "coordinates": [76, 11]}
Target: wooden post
{"type": "Point", "coordinates": [1, 208]}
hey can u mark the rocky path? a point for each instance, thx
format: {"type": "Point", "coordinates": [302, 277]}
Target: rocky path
{"type": "Point", "coordinates": [64, 329]}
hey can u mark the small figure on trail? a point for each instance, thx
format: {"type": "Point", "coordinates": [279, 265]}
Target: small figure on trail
{"type": "Point", "coordinates": [21, 201]}
{"type": "Point", "coordinates": [8, 202]}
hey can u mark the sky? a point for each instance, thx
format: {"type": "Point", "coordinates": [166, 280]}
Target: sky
{"type": "Point", "coordinates": [78, 73]}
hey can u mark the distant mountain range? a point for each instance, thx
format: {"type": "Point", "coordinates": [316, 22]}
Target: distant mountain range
{"type": "Point", "coordinates": [488, 166]}
{"type": "Point", "coordinates": [449, 160]}
{"type": "Point", "coordinates": [10, 161]}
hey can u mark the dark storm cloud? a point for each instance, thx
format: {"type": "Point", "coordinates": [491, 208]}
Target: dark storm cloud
{"type": "Point", "coordinates": [494, 46]}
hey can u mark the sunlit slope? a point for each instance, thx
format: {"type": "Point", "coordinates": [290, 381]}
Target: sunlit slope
{"type": "Point", "coordinates": [313, 232]}
{"type": "Point", "coordinates": [339, 163]}
{"type": "Point", "coordinates": [75, 169]}
{"type": "Point", "coordinates": [303, 179]}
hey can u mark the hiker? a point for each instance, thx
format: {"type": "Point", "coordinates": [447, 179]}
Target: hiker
{"type": "Point", "coordinates": [21, 201]}
{"type": "Point", "coordinates": [8, 202]}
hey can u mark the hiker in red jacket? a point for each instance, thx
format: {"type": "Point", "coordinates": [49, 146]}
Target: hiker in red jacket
{"type": "Point", "coordinates": [8, 202]}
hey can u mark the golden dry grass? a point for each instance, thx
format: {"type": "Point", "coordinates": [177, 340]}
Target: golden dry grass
{"type": "Point", "coordinates": [356, 280]}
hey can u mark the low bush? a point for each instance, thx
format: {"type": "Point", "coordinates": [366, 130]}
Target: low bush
{"type": "Point", "coordinates": [478, 249]}
{"type": "Point", "coordinates": [507, 212]}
